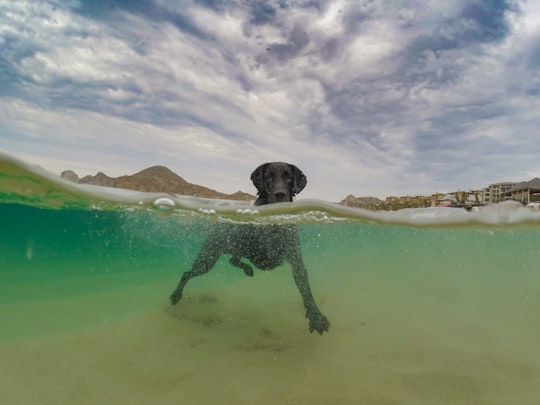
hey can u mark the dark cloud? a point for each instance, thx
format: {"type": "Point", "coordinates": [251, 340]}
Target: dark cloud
{"type": "Point", "coordinates": [13, 52]}
{"type": "Point", "coordinates": [216, 5]}
{"type": "Point", "coordinates": [262, 12]}
{"type": "Point", "coordinates": [488, 20]}
{"type": "Point", "coordinates": [330, 49]}
{"type": "Point", "coordinates": [354, 19]}
{"type": "Point", "coordinates": [297, 40]}
{"type": "Point", "coordinates": [106, 10]}
{"type": "Point", "coordinates": [478, 23]}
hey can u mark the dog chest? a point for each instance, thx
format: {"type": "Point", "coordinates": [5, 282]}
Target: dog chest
{"type": "Point", "coordinates": [266, 246]}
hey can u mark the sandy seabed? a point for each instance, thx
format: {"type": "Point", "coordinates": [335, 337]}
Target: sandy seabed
{"type": "Point", "coordinates": [239, 345]}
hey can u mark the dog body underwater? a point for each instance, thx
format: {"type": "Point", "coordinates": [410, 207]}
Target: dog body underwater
{"type": "Point", "coordinates": [265, 246]}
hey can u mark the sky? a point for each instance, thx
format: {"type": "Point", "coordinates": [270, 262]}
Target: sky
{"type": "Point", "coordinates": [366, 97]}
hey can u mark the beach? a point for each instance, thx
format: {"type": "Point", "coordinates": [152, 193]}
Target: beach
{"type": "Point", "coordinates": [225, 346]}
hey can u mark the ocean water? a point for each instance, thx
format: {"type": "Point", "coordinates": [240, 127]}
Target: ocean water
{"type": "Point", "coordinates": [427, 306]}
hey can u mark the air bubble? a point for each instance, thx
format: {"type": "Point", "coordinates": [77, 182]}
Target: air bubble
{"type": "Point", "coordinates": [164, 203]}
{"type": "Point", "coordinates": [246, 211]}
{"type": "Point", "coordinates": [207, 211]}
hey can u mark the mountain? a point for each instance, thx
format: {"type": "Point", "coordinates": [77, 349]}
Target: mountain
{"type": "Point", "coordinates": [155, 179]}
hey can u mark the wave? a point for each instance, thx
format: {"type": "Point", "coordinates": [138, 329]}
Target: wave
{"type": "Point", "coordinates": [23, 183]}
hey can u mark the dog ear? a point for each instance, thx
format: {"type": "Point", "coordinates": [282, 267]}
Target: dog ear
{"type": "Point", "coordinates": [300, 180]}
{"type": "Point", "coordinates": [257, 177]}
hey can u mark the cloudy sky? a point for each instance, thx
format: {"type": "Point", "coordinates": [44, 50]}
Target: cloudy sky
{"type": "Point", "coordinates": [367, 97]}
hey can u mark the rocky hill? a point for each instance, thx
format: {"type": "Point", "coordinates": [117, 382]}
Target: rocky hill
{"type": "Point", "coordinates": [155, 179]}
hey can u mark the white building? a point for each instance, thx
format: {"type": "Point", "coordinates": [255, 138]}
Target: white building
{"type": "Point", "coordinates": [496, 192]}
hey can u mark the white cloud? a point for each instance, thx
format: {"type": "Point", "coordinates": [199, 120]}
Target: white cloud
{"type": "Point", "coordinates": [368, 51]}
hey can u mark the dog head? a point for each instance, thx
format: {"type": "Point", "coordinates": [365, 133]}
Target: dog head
{"type": "Point", "coordinates": [277, 182]}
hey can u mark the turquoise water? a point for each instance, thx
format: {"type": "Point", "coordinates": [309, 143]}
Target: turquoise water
{"type": "Point", "coordinates": [426, 306]}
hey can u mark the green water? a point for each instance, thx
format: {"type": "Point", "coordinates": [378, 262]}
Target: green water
{"type": "Point", "coordinates": [443, 312]}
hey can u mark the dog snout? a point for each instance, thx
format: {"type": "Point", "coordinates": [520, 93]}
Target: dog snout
{"type": "Point", "coordinates": [280, 196]}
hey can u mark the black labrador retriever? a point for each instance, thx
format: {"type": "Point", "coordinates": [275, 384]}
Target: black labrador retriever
{"type": "Point", "coordinates": [266, 246]}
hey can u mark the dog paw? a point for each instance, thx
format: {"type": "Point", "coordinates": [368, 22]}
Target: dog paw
{"type": "Point", "coordinates": [318, 322]}
{"type": "Point", "coordinates": [175, 297]}
{"type": "Point", "coordinates": [248, 272]}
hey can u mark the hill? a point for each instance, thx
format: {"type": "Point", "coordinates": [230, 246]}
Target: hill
{"type": "Point", "coordinates": [158, 179]}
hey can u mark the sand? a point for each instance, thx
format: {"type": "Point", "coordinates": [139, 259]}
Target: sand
{"type": "Point", "coordinates": [240, 345]}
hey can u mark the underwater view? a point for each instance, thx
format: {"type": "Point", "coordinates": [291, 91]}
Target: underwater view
{"type": "Point", "coordinates": [426, 306]}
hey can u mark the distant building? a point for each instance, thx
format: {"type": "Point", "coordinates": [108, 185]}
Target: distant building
{"type": "Point", "coordinates": [497, 192]}
{"type": "Point", "coordinates": [447, 200]}
{"type": "Point", "coordinates": [525, 192]}
{"type": "Point", "coordinates": [475, 197]}
{"type": "Point", "coordinates": [408, 201]}
{"type": "Point", "coordinates": [436, 198]}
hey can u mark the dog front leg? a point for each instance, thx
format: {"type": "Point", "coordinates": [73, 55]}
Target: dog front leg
{"type": "Point", "coordinates": [317, 321]}
{"type": "Point", "coordinates": [206, 259]}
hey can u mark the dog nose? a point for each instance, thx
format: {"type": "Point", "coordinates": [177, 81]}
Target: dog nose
{"type": "Point", "coordinates": [280, 196]}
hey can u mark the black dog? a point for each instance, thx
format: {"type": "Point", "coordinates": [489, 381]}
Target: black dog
{"type": "Point", "coordinates": [266, 246]}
